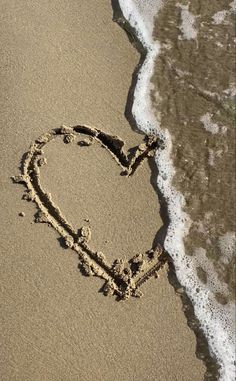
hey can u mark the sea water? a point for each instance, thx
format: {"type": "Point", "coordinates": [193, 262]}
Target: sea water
{"type": "Point", "coordinates": [185, 93]}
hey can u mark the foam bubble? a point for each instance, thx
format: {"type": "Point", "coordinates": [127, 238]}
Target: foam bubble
{"type": "Point", "coordinates": [188, 21]}
{"type": "Point", "coordinates": [208, 124]}
{"type": "Point", "coordinates": [216, 320]}
{"type": "Point", "coordinates": [219, 17]}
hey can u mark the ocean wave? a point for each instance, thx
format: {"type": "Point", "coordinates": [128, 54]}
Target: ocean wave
{"type": "Point", "coordinates": [217, 320]}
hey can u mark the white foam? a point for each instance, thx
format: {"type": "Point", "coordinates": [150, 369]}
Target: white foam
{"type": "Point", "coordinates": [188, 21]}
{"type": "Point", "coordinates": [233, 6]}
{"type": "Point", "coordinates": [219, 17]}
{"type": "Point", "coordinates": [227, 244]}
{"type": "Point", "coordinates": [208, 124]}
{"type": "Point", "coordinates": [214, 155]}
{"type": "Point", "coordinates": [211, 126]}
{"type": "Point", "coordinates": [213, 282]}
{"type": "Point", "coordinates": [216, 320]}
{"type": "Point", "coordinates": [231, 91]}
{"type": "Point", "coordinates": [211, 157]}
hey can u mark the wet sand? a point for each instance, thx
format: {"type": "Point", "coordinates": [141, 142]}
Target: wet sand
{"type": "Point", "coordinates": [68, 63]}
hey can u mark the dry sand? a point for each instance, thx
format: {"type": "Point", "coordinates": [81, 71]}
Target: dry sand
{"type": "Point", "coordinates": [68, 63]}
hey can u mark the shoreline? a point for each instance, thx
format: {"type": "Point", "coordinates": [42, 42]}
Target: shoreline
{"type": "Point", "coordinates": [202, 350]}
{"type": "Point", "coordinates": [56, 325]}
{"type": "Point", "coordinates": [176, 200]}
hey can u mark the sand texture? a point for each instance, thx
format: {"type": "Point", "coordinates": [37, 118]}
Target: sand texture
{"type": "Point", "coordinates": [66, 63]}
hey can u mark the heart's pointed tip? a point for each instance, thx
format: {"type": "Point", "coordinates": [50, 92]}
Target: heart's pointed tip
{"type": "Point", "coordinates": [126, 172]}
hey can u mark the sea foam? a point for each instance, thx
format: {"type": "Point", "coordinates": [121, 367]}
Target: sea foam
{"type": "Point", "coordinates": [217, 321]}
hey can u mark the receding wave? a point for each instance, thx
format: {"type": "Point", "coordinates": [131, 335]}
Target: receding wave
{"type": "Point", "coordinates": [214, 310]}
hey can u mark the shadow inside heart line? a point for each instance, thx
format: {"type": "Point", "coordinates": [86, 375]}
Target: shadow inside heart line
{"type": "Point", "coordinates": [123, 277]}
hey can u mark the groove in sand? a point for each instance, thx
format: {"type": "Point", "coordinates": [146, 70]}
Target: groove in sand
{"type": "Point", "coordinates": [121, 278]}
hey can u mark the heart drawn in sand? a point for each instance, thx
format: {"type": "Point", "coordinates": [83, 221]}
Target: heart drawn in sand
{"type": "Point", "coordinates": [121, 278]}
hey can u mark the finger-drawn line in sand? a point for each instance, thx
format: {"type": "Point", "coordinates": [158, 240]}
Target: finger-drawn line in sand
{"type": "Point", "coordinates": [122, 278]}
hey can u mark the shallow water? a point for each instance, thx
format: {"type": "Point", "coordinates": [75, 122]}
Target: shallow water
{"type": "Point", "coordinates": [185, 92]}
{"type": "Point", "coordinates": [194, 94]}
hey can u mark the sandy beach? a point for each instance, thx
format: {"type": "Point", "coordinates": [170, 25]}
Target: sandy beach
{"type": "Point", "coordinates": [67, 63]}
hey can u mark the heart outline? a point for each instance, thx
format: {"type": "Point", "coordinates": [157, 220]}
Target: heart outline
{"type": "Point", "coordinates": [119, 280]}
